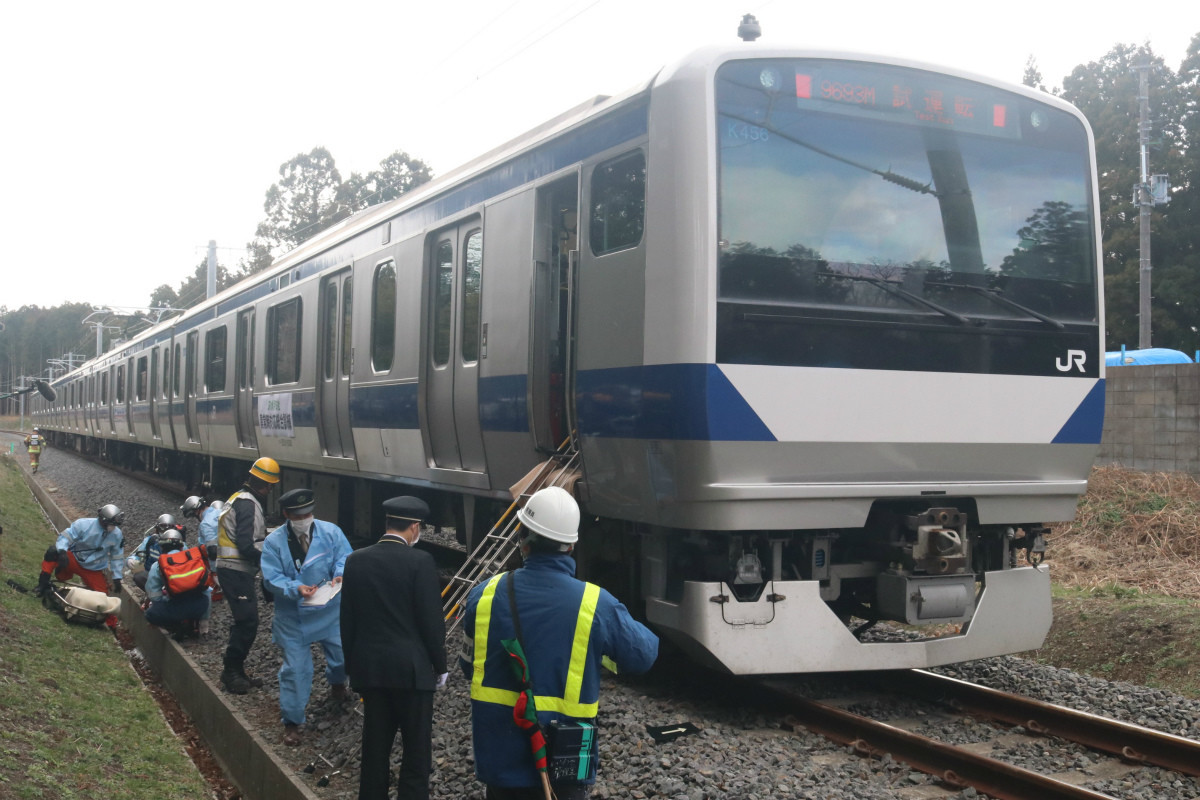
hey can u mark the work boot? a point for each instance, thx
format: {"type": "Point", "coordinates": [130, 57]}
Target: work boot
{"type": "Point", "coordinates": [338, 692]}
{"type": "Point", "coordinates": [250, 679]}
{"type": "Point", "coordinates": [235, 682]}
{"type": "Point", "coordinates": [43, 585]}
{"type": "Point", "coordinates": [291, 734]}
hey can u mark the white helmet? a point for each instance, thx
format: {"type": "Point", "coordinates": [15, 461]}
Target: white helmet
{"type": "Point", "coordinates": [553, 514]}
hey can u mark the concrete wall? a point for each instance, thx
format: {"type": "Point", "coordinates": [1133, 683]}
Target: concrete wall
{"type": "Point", "coordinates": [1152, 418]}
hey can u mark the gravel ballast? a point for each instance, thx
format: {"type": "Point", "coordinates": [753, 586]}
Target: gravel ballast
{"type": "Point", "coordinates": [740, 751]}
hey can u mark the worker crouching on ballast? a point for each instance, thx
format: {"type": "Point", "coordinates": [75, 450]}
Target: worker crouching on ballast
{"type": "Point", "coordinates": [206, 513]}
{"type": "Point", "coordinates": [177, 586]}
{"type": "Point", "coordinates": [85, 549]}
{"type": "Point", "coordinates": [566, 628]}
{"type": "Point", "coordinates": [148, 551]}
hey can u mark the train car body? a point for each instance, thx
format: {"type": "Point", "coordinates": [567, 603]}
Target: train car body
{"type": "Point", "coordinates": [826, 330]}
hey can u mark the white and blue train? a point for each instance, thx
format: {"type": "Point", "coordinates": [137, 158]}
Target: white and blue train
{"type": "Point", "coordinates": [826, 328]}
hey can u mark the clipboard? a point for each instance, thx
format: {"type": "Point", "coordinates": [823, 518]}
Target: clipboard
{"type": "Point", "coordinates": [324, 593]}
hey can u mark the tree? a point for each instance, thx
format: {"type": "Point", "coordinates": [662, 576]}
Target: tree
{"type": "Point", "coordinates": [1033, 76]}
{"type": "Point", "coordinates": [193, 289]}
{"type": "Point", "coordinates": [397, 174]}
{"type": "Point", "coordinates": [306, 199]}
{"type": "Point", "coordinates": [311, 195]}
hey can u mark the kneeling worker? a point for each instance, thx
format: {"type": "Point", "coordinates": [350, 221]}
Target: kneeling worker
{"type": "Point", "coordinates": [85, 549]}
{"type": "Point", "coordinates": [566, 628]}
{"type": "Point", "coordinates": [298, 557]}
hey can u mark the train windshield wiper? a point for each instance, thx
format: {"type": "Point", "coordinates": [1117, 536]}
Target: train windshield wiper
{"type": "Point", "coordinates": [996, 297]}
{"type": "Point", "coordinates": [892, 289]}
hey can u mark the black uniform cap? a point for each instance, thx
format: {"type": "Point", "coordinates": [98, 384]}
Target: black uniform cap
{"type": "Point", "coordinates": [411, 509]}
{"type": "Point", "coordinates": [298, 501]}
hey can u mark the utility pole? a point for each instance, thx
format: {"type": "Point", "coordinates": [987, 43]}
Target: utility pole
{"type": "Point", "coordinates": [212, 267]}
{"type": "Point", "coordinates": [1145, 202]}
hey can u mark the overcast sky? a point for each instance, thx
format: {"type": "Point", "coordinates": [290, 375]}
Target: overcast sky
{"type": "Point", "coordinates": [135, 132]}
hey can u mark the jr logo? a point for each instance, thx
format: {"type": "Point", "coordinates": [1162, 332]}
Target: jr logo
{"type": "Point", "coordinates": [1075, 358]}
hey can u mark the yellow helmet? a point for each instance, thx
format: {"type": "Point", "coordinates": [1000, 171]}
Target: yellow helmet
{"type": "Point", "coordinates": [266, 469]}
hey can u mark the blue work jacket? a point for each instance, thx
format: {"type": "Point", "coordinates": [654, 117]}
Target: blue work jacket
{"type": "Point", "coordinates": [93, 547]}
{"type": "Point", "coordinates": [326, 558]}
{"type": "Point", "coordinates": [569, 629]}
{"type": "Point", "coordinates": [208, 523]}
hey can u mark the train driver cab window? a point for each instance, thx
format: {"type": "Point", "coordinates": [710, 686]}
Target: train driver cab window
{"type": "Point", "coordinates": [383, 317]}
{"type": "Point", "coordinates": [618, 203]}
{"type": "Point", "coordinates": [214, 359]}
{"type": "Point", "coordinates": [283, 342]}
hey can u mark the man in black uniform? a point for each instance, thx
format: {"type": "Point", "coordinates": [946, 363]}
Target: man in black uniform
{"type": "Point", "coordinates": [394, 639]}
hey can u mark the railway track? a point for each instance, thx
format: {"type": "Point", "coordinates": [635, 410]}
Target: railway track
{"type": "Point", "coordinates": [958, 766]}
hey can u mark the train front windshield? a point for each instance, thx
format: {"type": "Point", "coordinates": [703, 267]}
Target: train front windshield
{"type": "Point", "coordinates": [880, 217]}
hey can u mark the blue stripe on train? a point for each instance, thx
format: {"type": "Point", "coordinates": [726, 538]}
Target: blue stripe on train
{"type": "Point", "coordinates": [1087, 423]}
{"type": "Point", "coordinates": [669, 401]}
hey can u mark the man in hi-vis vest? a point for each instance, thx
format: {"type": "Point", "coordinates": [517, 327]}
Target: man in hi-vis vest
{"type": "Point", "coordinates": [241, 530]}
{"type": "Point", "coordinates": [567, 628]}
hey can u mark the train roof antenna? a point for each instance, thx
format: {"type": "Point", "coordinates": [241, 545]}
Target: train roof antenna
{"type": "Point", "coordinates": [749, 30]}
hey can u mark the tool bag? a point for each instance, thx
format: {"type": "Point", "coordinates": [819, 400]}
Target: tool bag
{"type": "Point", "coordinates": [184, 571]}
{"type": "Point", "coordinates": [572, 746]}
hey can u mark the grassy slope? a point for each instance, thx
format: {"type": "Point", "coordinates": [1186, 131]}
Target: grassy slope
{"type": "Point", "coordinates": [1127, 582]}
{"type": "Point", "coordinates": [75, 720]}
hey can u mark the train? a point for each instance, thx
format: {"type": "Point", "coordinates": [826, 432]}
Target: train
{"type": "Point", "coordinates": [824, 330]}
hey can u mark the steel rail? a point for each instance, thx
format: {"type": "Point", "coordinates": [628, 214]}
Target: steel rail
{"type": "Point", "coordinates": [954, 766]}
{"type": "Point", "coordinates": [1131, 742]}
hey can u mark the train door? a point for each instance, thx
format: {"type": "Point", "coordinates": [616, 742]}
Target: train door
{"type": "Point", "coordinates": [556, 252]}
{"type": "Point", "coordinates": [335, 354]}
{"type": "Point", "coordinates": [244, 382]}
{"type": "Point", "coordinates": [190, 352]}
{"type": "Point", "coordinates": [455, 272]}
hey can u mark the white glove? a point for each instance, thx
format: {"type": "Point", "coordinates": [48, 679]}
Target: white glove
{"type": "Point", "coordinates": [441, 681]}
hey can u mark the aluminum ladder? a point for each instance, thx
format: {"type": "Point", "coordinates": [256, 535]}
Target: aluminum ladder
{"type": "Point", "coordinates": [496, 550]}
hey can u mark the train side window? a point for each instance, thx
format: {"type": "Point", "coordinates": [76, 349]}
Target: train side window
{"type": "Point", "coordinates": [119, 384]}
{"type": "Point", "coordinates": [214, 359]}
{"type": "Point", "coordinates": [175, 370]}
{"type": "Point", "coordinates": [472, 283]}
{"type": "Point", "coordinates": [383, 317]}
{"type": "Point", "coordinates": [283, 342]}
{"type": "Point", "coordinates": [142, 380]}
{"type": "Point", "coordinates": [618, 203]}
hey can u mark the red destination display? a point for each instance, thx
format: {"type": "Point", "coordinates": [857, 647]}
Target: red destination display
{"type": "Point", "coordinates": [939, 102]}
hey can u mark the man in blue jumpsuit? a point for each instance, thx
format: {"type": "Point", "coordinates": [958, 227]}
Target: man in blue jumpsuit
{"type": "Point", "coordinates": [85, 549]}
{"type": "Point", "coordinates": [298, 557]}
{"type": "Point", "coordinates": [568, 628]}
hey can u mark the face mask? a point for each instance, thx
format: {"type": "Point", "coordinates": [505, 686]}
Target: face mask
{"type": "Point", "coordinates": [301, 526]}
